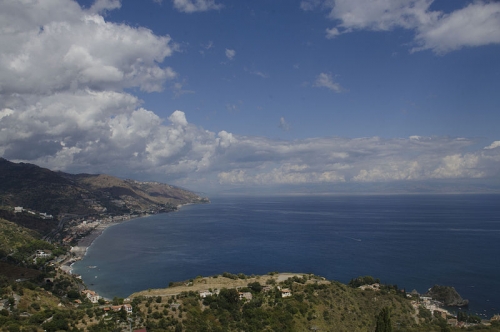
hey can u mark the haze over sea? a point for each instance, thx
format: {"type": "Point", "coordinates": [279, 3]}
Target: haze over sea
{"type": "Point", "coordinates": [414, 241]}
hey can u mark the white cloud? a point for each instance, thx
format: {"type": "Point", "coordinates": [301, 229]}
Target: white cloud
{"type": "Point", "coordinates": [178, 118]}
{"type": "Point", "coordinates": [326, 81]}
{"type": "Point", "coordinates": [475, 25]}
{"type": "Point", "coordinates": [308, 5]}
{"type": "Point", "coordinates": [259, 73]}
{"type": "Point", "coordinates": [192, 6]}
{"type": "Point", "coordinates": [332, 33]}
{"type": "Point", "coordinates": [458, 166]}
{"type": "Point", "coordinates": [379, 14]}
{"type": "Point", "coordinates": [284, 124]}
{"type": "Point", "coordinates": [78, 51]}
{"type": "Point", "coordinates": [101, 6]}
{"type": "Point", "coordinates": [178, 89]}
{"type": "Point", "coordinates": [493, 145]}
{"type": "Point", "coordinates": [206, 47]}
{"type": "Point", "coordinates": [63, 106]}
{"type": "Point", "coordinates": [230, 54]}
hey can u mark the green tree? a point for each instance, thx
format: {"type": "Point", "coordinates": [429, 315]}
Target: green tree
{"type": "Point", "coordinates": [384, 321]}
{"type": "Point", "coordinates": [255, 286]}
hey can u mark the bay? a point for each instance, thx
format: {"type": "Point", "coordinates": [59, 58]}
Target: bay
{"type": "Point", "coordinates": [414, 241]}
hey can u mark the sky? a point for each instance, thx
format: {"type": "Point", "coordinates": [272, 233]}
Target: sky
{"type": "Point", "coordinates": [212, 94]}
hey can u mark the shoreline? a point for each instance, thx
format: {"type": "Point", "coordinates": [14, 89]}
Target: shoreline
{"type": "Point", "coordinates": [79, 251]}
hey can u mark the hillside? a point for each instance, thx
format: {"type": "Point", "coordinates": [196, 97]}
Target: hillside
{"type": "Point", "coordinates": [13, 237]}
{"type": "Point", "coordinates": [59, 193]}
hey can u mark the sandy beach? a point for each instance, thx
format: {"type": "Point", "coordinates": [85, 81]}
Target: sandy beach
{"type": "Point", "coordinates": [81, 249]}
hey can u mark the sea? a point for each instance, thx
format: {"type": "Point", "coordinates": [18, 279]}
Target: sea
{"type": "Point", "coordinates": [413, 241]}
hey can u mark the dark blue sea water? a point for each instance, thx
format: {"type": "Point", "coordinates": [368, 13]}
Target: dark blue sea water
{"type": "Point", "coordinates": [414, 241]}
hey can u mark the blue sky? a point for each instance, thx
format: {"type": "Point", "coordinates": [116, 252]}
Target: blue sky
{"type": "Point", "coordinates": [212, 94]}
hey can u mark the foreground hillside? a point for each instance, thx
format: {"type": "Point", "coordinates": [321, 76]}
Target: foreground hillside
{"type": "Point", "coordinates": [53, 301]}
{"type": "Point", "coordinates": [60, 193]}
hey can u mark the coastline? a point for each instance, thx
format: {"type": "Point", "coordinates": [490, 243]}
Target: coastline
{"type": "Point", "coordinates": [79, 251]}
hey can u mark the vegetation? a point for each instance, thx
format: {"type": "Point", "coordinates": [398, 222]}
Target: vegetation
{"type": "Point", "coordinates": [315, 304]}
{"type": "Point", "coordinates": [360, 281]}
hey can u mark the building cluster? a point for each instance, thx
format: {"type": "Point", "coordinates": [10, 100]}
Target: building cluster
{"type": "Point", "coordinates": [93, 297]}
{"type": "Point", "coordinates": [41, 254]}
{"type": "Point", "coordinates": [285, 292]}
{"type": "Point", "coordinates": [115, 308]}
{"type": "Point", "coordinates": [41, 215]}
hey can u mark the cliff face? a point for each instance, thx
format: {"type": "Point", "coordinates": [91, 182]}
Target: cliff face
{"type": "Point", "coordinates": [58, 193]}
{"type": "Point", "coordinates": [448, 295]}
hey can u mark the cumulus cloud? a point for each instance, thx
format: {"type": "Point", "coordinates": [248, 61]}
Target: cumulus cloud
{"type": "Point", "coordinates": [52, 52]}
{"type": "Point", "coordinates": [493, 145]}
{"type": "Point", "coordinates": [192, 6]}
{"type": "Point", "coordinates": [64, 104]}
{"type": "Point", "coordinates": [475, 25]}
{"type": "Point", "coordinates": [326, 81]}
{"type": "Point", "coordinates": [230, 54]}
{"type": "Point", "coordinates": [333, 160]}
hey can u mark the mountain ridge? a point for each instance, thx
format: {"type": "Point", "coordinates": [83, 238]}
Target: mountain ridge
{"type": "Point", "coordinates": [60, 193]}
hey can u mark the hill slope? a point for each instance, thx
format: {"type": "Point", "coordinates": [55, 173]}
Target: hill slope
{"type": "Point", "coordinates": [59, 193]}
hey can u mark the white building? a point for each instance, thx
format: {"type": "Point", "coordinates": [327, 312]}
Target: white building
{"type": "Point", "coordinates": [205, 293]}
{"type": "Point", "coordinates": [91, 295]}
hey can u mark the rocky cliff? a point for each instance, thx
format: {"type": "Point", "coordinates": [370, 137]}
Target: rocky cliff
{"type": "Point", "coordinates": [448, 295]}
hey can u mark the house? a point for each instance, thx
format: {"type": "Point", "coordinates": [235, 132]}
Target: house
{"type": "Point", "coordinates": [205, 293]}
{"type": "Point", "coordinates": [285, 292]}
{"type": "Point", "coordinates": [91, 295]}
{"type": "Point", "coordinates": [18, 209]}
{"type": "Point", "coordinates": [375, 287]}
{"type": "Point", "coordinates": [43, 253]}
{"type": "Point", "coordinates": [46, 216]}
{"type": "Point", "coordinates": [245, 295]}
{"type": "Point", "coordinates": [128, 308]}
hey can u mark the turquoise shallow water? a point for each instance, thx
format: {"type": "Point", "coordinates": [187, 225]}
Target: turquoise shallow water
{"type": "Point", "coordinates": [414, 241]}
